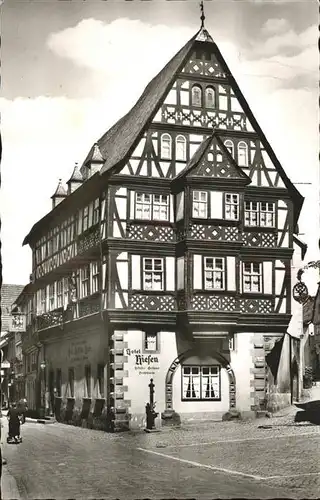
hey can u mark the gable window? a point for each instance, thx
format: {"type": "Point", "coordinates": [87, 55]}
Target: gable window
{"type": "Point", "coordinates": [214, 273]}
{"type": "Point", "coordinates": [242, 154]}
{"type": "Point", "coordinates": [231, 206]}
{"type": "Point", "coordinates": [210, 97]}
{"type": "Point", "coordinates": [94, 277]}
{"type": "Point", "coordinates": [166, 147]}
{"type": "Point", "coordinates": [181, 148]}
{"type": "Point", "coordinates": [259, 214]}
{"type": "Point", "coordinates": [252, 277]}
{"type": "Point", "coordinates": [196, 95]}
{"type": "Point", "coordinates": [152, 207]}
{"type": "Point", "coordinates": [230, 147]}
{"type": "Point", "coordinates": [153, 274]}
{"type": "Point", "coordinates": [200, 382]}
{"type": "Point", "coordinates": [84, 281]}
{"type": "Point", "coordinates": [200, 204]}
{"type": "Point", "coordinates": [150, 341]}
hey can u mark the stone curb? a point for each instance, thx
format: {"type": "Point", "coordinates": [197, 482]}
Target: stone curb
{"type": "Point", "coordinates": [9, 488]}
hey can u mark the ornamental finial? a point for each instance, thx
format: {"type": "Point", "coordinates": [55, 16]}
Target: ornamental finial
{"type": "Point", "coordinates": [202, 14]}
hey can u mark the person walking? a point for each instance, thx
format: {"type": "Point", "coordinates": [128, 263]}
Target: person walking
{"type": "Point", "coordinates": [14, 422]}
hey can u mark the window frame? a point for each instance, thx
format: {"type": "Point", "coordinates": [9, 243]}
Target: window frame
{"type": "Point", "coordinates": [184, 142]}
{"type": "Point", "coordinates": [96, 211]}
{"type": "Point", "coordinates": [84, 279]}
{"type": "Point", "coordinates": [210, 88]}
{"type": "Point", "coordinates": [60, 293]}
{"type": "Point", "coordinates": [201, 375]}
{"type": "Point", "coordinates": [246, 149]}
{"type": "Point", "coordinates": [229, 144]}
{"type": "Point", "coordinates": [200, 202]}
{"type": "Point", "coordinates": [197, 104]}
{"type": "Point", "coordinates": [214, 271]}
{"type": "Point", "coordinates": [153, 271]}
{"type": "Point", "coordinates": [166, 137]}
{"type": "Point", "coordinates": [259, 212]}
{"type": "Point", "coordinates": [252, 275]}
{"type": "Point", "coordinates": [231, 204]}
{"type": "Point", "coordinates": [157, 342]}
{"type": "Point", "coordinates": [152, 204]}
{"type": "Point", "coordinates": [94, 277]}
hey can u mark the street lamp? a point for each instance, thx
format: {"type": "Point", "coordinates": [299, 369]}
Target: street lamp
{"type": "Point", "coordinates": [42, 386]}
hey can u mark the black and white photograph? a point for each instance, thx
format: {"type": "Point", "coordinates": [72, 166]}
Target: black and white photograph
{"type": "Point", "coordinates": [160, 249]}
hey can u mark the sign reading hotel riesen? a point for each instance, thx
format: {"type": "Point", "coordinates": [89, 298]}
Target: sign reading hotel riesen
{"type": "Point", "coordinates": [147, 364]}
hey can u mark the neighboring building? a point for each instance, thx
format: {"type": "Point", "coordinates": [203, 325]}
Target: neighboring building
{"type": "Point", "coordinates": [311, 322]}
{"type": "Point", "coordinates": [168, 257]}
{"type": "Point", "coordinates": [10, 346]}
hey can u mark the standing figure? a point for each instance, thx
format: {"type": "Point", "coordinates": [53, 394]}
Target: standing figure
{"type": "Point", "coordinates": [14, 423]}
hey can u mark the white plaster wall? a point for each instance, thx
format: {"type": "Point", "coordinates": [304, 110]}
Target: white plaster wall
{"type": "Point", "coordinates": [242, 364]}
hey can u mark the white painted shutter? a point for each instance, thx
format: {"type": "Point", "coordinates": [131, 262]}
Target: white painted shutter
{"type": "Point", "coordinates": [216, 198]}
{"type": "Point", "coordinates": [170, 274]}
{"type": "Point", "coordinates": [180, 273]}
{"type": "Point", "coordinates": [231, 273]}
{"type": "Point", "coordinates": [132, 197]}
{"type": "Point", "coordinates": [179, 206]}
{"type": "Point", "coordinates": [197, 272]}
{"type": "Point", "coordinates": [240, 276]}
{"type": "Point", "coordinates": [171, 211]}
{"type": "Point", "coordinates": [135, 272]}
{"type": "Point", "coordinates": [267, 277]}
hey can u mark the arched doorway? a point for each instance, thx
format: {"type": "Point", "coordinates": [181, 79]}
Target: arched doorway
{"type": "Point", "coordinates": [179, 360]}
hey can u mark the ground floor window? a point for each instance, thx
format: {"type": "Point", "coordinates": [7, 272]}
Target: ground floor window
{"type": "Point", "coordinates": [201, 382]}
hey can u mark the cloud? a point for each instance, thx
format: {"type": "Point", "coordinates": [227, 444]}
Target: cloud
{"type": "Point", "coordinates": [276, 25]}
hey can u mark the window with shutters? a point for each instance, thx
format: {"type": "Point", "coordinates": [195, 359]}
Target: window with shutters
{"type": "Point", "coordinates": [200, 204]}
{"type": "Point", "coordinates": [258, 213]}
{"type": "Point", "coordinates": [166, 147]}
{"type": "Point", "coordinates": [252, 277]}
{"type": "Point", "coordinates": [231, 206]}
{"type": "Point", "coordinates": [181, 148]}
{"type": "Point", "coordinates": [201, 382]}
{"type": "Point", "coordinates": [214, 273]}
{"type": "Point", "coordinates": [153, 274]}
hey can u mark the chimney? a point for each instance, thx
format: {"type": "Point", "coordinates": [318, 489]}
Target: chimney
{"type": "Point", "coordinates": [59, 195]}
{"type": "Point", "coordinates": [75, 180]}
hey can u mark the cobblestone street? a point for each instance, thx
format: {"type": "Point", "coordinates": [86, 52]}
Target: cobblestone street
{"type": "Point", "coordinates": [222, 459]}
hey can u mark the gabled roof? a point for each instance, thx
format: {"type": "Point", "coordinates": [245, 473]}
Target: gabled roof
{"type": "Point", "coordinates": [203, 149]}
{"type": "Point", "coordinates": [9, 294]}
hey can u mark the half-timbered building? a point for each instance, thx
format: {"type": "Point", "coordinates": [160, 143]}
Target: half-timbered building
{"type": "Point", "coordinates": [168, 256]}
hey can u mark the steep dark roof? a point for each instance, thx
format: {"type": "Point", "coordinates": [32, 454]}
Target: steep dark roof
{"type": "Point", "coordinates": [203, 149]}
{"type": "Point", "coordinates": [9, 294]}
{"type": "Point", "coordinates": [60, 191]}
{"type": "Point", "coordinates": [76, 175]}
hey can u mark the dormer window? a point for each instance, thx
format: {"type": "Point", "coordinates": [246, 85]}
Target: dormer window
{"type": "Point", "coordinates": [181, 148]}
{"type": "Point", "coordinates": [196, 95]}
{"type": "Point", "coordinates": [242, 154]}
{"type": "Point", "coordinates": [210, 97]}
{"type": "Point", "coordinates": [166, 147]}
{"type": "Point", "coordinates": [230, 147]}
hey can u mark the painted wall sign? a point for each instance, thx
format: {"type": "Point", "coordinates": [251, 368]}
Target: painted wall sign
{"type": "Point", "coordinates": [145, 364]}
{"type": "Point", "coordinates": [79, 351]}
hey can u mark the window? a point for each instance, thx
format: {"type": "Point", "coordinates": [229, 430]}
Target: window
{"type": "Point", "coordinates": [71, 382]}
{"type": "Point", "coordinates": [150, 341]}
{"type": "Point", "coordinates": [96, 211]}
{"type": "Point", "coordinates": [210, 97]}
{"type": "Point", "coordinates": [181, 148]}
{"type": "Point", "coordinates": [230, 147]}
{"type": "Point", "coordinates": [252, 277]}
{"type": "Point", "coordinates": [153, 274]}
{"type": "Point", "coordinates": [160, 209]}
{"type": "Point", "coordinates": [231, 206]}
{"type": "Point", "coordinates": [85, 219]}
{"type": "Point", "coordinates": [84, 279]}
{"type": "Point", "coordinates": [152, 207]}
{"type": "Point", "coordinates": [42, 300]}
{"type": "Point", "coordinates": [94, 277]}
{"type": "Point", "coordinates": [242, 154]}
{"type": "Point", "coordinates": [51, 297]}
{"type": "Point", "coordinates": [100, 377]}
{"type": "Point", "coordinates": [65, 291]}
{"type": "Point", "coordinates": [200, 382]}
{"type": "Point", "coordinates": [60, 293]}
{"type": "Point", "coordinates": [200, 204]}
{"type": "Point", "coordinates": [166, 146]}
{"type": "Point", "coordinates": [196, 95]}
{"type": "Point", "coordinates": [259, 214]}
{"type": "Point", "coordinates": [56, 237]}
{"type": "Point", "coordinates": [87, 375]}
{"type": "Point", "coordinates": [58, 382]}
{"type": "Point", "coordinates": [214, 273]}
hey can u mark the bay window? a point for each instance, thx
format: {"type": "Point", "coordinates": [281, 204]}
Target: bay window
{"type": "Point", "coordinates": [252, 277]}
{"type": "Point", "coordinates": [200, 382]}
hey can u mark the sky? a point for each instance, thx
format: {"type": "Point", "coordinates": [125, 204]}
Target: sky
{"type": "Point", "coordinates": [70, 69]}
